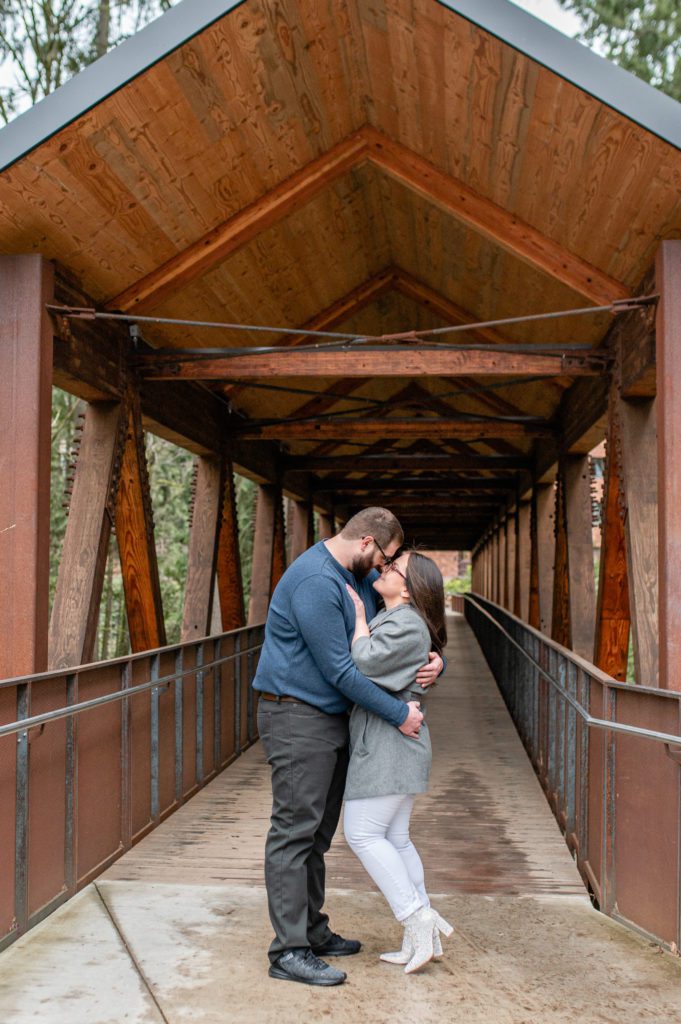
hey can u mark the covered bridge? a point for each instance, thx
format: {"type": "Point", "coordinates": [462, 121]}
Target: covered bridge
{"type": "Point", "coordinates": [364, 180]}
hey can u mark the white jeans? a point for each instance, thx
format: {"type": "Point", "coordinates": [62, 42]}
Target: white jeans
{"type": "Point", "coordinates": [377, 830]}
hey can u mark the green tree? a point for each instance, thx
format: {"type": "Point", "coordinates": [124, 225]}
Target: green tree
{"type": "Point", "coordinates": [43, 44]}
{"type": "Point", "coordinates": [642, 36]}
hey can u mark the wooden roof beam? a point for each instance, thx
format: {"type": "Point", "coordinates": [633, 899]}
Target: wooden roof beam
{"type": "Point", "coordinates": [365, 361]}
{"type": "Point", "coordinates": [397, 462]}
{"type": "Point", "coordinates": [493, 221]}
{"type": "Point", "coordinates": [370, 429]}
{"type": "Point", "coordinates": [401, 164]}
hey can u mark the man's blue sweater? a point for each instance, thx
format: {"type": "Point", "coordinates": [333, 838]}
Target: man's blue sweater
{"type": "Point", "coordinates": [310, 624]}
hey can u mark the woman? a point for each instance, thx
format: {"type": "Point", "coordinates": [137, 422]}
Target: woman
{"type": "Point", "coordinates": [386, 768]}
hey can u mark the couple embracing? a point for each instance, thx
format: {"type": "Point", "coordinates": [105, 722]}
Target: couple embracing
{"type": "Point", "coordinates": [328, 649]}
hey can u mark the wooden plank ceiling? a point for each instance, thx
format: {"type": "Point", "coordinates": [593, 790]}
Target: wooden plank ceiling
{"type": "Point", "coordinates": [367, 166]}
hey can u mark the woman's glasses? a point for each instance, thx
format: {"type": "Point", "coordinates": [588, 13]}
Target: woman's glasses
{"type": "Point", "coordinates": [391, 567]}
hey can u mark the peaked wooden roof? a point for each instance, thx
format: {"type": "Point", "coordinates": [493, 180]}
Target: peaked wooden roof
{"type": "Point", "coordinates": [369, 167]}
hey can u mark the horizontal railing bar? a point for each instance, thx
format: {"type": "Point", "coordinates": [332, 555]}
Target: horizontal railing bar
{"type": "Point", "coordinates": [60, 673]}
{"type": "Point", "coordinates": [596, 723]}
{"type": "Point", "coordinates": [76, 709]}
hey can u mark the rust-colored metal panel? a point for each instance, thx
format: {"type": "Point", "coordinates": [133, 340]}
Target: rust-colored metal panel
{"type": "Point", "coordinates": [166, 774]}
{"type": "Point", "coordinates": [140, 751]}
{"type": "Point", "coordinates": [227, 675]}
{"type": "Point", "coordinates": [189, 738]}
{"type": "Point", "coordinates": [101, 827]}
{"type": "Point", "coordinates": [26, 285]}
{"type": "Point", "coordinates": [646, 836]}
{"type": "Point", "coordinates": [47, 804]}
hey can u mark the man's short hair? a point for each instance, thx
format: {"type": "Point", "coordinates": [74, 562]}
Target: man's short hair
{"type": "Point", "coordinates": [377, 522]}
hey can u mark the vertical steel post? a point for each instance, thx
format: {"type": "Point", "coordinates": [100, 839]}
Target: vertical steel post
{"type": "Point", "coordinates": [179, 727]}
{"type": "Point", "coordinates": [198, 764]}
{"type": "Point", "coordinates": [21, 830]}
{"type": "Point", "coordinates": [154, 738]}
{"type": "Point", "coordinates": [237, 695]}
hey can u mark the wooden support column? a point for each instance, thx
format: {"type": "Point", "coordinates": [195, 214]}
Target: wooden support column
{"type": "Point", "coordinates": [580, 553]}
{"type": "Point", "coordinates": [279, 543]}
{"type": "Point", "coordinates": [542, 553]}
{"type": "Point", "coordinates": [560, 615]}
{"type": "Point", "coordinates": [75, 612]}
{"type": "Point", "coordinates": [135, 536]}
{"type": "Point", "coordinates": [511, 567]}
{"type": "Point", "coordinates": [301, 514]}
{"type": "Point", "coordinates": [325, 526]}
{"type": "Point", "coordinates": [229, 578]}
{"type": "Point", "coordinates": [639, 480]}
{"type": "Point", "coordinates": [668, 348]}
{"type": "Point", "coordinates": [203, 548]}
{"type": "Point", "coordinates": [503, 563]}
{"type": "Point", "coordinates": [523, 557]}
{"type": "Point", "coordinates": [263, 552]}
{"type": "Point", "coordinates": [26, 285]}
{"type": "Point", "coordinates": [611, 645]}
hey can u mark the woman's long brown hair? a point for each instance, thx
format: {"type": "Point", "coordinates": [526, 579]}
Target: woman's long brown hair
{"type": "Point", "coordinates": [426, 589]}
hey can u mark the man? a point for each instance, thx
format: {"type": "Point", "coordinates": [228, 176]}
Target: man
{"type": "Point", "coordinates": [307, 682]}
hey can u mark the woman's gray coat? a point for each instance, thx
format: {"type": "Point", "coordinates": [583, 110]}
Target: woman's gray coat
{"type": "Point", "coordinates": [384, 762]}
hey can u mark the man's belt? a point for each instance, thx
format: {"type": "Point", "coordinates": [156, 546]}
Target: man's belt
{"type": "Point", "coordinates": [278, 699]}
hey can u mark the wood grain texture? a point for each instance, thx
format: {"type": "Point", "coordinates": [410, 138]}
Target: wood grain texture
{"type": "Point", "coordinates": [373, 429]}
{"type": "Point", "coordinates": [668, 344]}
{"type": "Point", "coordinates": [545, 494]}
{"type": "Point", "coordinates": [582, 591]}
{"type": "Point", "coordinates": [301, 514]}
{"type": "Point", "coordinates": [229, 577]}
{"type": "Point", "coordinates": [524, 553]}
{"type": "Point", "coordinates": [611, 642]}
{"type": "Point", "coordinates": [26, 285]}
{"type": "Point", "coordinates": [203, 546]}
{"type": "Point", "coordinates": [363, 362]}
{"type": "Point", "coordinates": [75, 611]}
{"type": "Point", "coordinates": [263, 549]}
{"type": "Point", "coordinates": [135, 537]}
{"type": "Point", "coordinates": [639, 483]}
{"type": "Point", "coordinates": [560, 614]}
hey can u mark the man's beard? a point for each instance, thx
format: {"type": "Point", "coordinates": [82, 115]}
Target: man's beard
{"type": "Point", "coordinates": [361, 566]}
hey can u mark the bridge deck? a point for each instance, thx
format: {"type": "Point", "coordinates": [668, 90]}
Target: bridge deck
{"type": "Point", "coordinates": [177, 929]}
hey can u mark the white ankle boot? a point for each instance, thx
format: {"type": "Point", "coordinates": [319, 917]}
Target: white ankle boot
{"type": "Point", "coordinates": [404, 955]}
{"type": "Point", "coordinates": [418, 930]}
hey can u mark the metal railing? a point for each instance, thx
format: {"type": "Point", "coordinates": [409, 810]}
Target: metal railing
{"type": "Point", "coordinates": [607, 755]}
{"type": "Point", "coordinates": [92, 758]}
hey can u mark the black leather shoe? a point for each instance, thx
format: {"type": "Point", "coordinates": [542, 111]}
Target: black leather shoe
{"type": "Point", "coordinates": [303, 966]}
{"type": "Point", "coordinates": [336, 945]}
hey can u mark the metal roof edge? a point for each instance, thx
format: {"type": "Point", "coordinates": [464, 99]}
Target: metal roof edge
{"type": "Point", "coordinates": [611, 85]}
{"type": "Point", "coordinates": [105, 76]}
{"type": "Point", "coordinates": [623, 92]}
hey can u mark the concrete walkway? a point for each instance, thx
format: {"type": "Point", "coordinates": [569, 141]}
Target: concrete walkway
{"type": "Point", "coordinates": [176, 930]}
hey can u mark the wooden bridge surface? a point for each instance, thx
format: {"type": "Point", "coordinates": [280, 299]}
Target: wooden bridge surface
{"type": "Point", "coordinates": [484, 826]}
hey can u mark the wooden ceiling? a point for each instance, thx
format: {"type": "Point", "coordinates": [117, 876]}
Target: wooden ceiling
{"type": "Point", "coordinates": [366, 166]}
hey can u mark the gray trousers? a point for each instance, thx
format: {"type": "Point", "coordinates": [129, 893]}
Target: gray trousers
{"type": "Point", "coordinates": [307, 751]}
